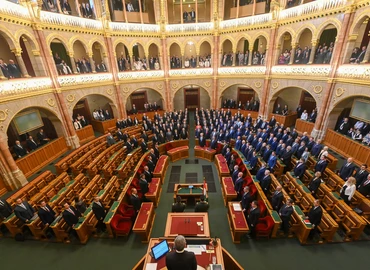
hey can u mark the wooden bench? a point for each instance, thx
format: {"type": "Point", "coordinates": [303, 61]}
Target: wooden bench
{"type": "Point", "coordinates": [163, 148]}
{"type": "Point", "coordinates": [155, 190]}
{"type": "Point", "coordinates": [237, 222]}
{"type": "Point", "coordinates": [144, 221]}
{"type": "Point", "coordinates": [112, 163]}
{"type": "Point", "coordinates": [178, 153]}
{"type": "Point", "coordinates": [204, 153]}
{"type": "Point", "coordinates": [85, 134]}
{"type": "Point", "coordinates": [161, 168]}
{"type": "Point", "coordinates": [125, 167]}
{"type": "Point", "coordinates": [221, 165]}
{"type": "Point", "coordinates": [228, 191]}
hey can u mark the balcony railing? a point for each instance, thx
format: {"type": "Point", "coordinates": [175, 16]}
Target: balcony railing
{"type": "Point", "coordinates": [68, 20]}
{"type": "Point", "coordinates": [139, 75]}
{"type": "Point", "coordinates": [69, 80]}
{"type": "Point", "coordinates": [246, 21]}
{"type": "Point", "coordinates": [191, 72]}
{"type": "Point", "coordinates": [255, 70]}
{"type": "Point", "coordinates": [134, 27]}
{"type": "Point", "coordinates": [304, 70]}
{"type": "Point", "coordinates": [311, 8]}
{"type": "Point", "coordinates": [189, 27]}
{"type": "Point", "coordinates": [15, 10]}
{"type": "Point", "coordinates": [19, 86]}
{"type": "Point", "coordinates": [361, 72]}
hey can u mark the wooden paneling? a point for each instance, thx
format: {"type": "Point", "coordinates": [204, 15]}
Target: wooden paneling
{"type": "Point", "coordinates": [304, 126]}
{"type": "Point", "coordinates": [42, 156]}
{"type": "Point", "coordinates": [288, 120]}
{"type": "Point", "coordinates": [103, 126]}
{"type": "Point", "coordinates": [347, 147]}
{"type": "Point", "coordinates": [85, 134]}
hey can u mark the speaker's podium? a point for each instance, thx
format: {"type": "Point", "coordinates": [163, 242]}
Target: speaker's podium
{"type": "Point", "coordinates": [209, 256]}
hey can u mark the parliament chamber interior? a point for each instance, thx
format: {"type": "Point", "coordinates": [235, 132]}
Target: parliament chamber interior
{"type": "Point", "coordinates": [242, 125]}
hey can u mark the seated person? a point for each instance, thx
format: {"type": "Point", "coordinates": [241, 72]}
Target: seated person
{"type": "Point", "coordinates": [42, 137]}
{"type": "Point", "coordinates": [19, 150]}
{"type": "Point", "coordinates": [31, 144]}
{"type": "Point", "coordinates": [202, 206]}
{"type": "Point", "coordinates": [178, 207]}
{"type": "Point", "coordinates": [181, 259]}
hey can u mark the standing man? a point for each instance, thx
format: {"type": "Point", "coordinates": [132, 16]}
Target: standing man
{"type": "Point", "coordinates": [285, 213]}
{"type": "Point", "coordinates": [46, 213]}
{"type": "Point", "coordinates": [135, 200]}
{"type": "Point", "coordinates": [266, 182]}
{"type": "Point", "coordinates": [314, 216]}
{"type": "Point", "coordinates": [277, 198]}
{"type": "Point", "coordinates": [181, 259]}
{"type": "Point", "coordinates": [253, 217]}
{"type": "Point", "coordinates": [42, 137]}
{"type": "Point", "coordinates": [314, 185]}
{"type": "Point", "coordinates": [144, 186]}
{"type": "Point", "coordinates": [99, 212]}
{"type": "Point", "coordinates": [347, 169]}
{"type": "Point", "coordinates": [246, 201]}
{"type": "Point", "coordinates": [19, 150]}
{"type": "Point", "coordinates": [321, 164]}
{"type": "Point", "coordinates": [31, 144]}
{"type": "Point", "coordinates": [24, 211]}
{"type": "Point", "coordinates": [239, 186]}
{"type": "Point", "coordinates": [5, 209]}
{"type": "Point", "coordinates": [70, 215]}
{"type": "Point", "coordinates": [361, 175]}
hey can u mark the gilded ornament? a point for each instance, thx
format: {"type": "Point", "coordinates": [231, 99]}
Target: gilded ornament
{"type": "Point", "coordinates": [317, 89]}
{"type": "Point", "coordinates": [3, 114]}
{"type": "Point", "coordinates": [275, 85]}
{"type": "Point", "coordinates": [50, 102]}
{"type": "Point", "coordinates": [160, 86]}
{"type": "Point", "coordinates": [257, 84]}
{"type": "Point", "coordinates": [222, 84]}
{"type": "Point", "coordinates": [175, 85]}
{"type": "Point", "coordinates": [70, 98]}
{"type": "Point", "coordinates": [207, 84]}
{"type": "Point", "coordinates": [109, 92]}
{"type": "Point", "coordinates": [339, 91]}
{"type": "Point", "coordinates": [126, 89]}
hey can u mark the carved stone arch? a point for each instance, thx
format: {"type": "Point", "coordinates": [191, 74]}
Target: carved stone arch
{"type": "Point", "coordinates": [257, 35]}
{"type": "Point", "coordinates": [255, 84]}
{"type": "Point", "coordinates": [53, 36]}
{"type": "Point", "coordinates": [177, 85]}
{"type": "Point", "coordinates": [337, 24]}
{"type": "Point", "coordinates": [355, 27]}
{"type": "Point", "coordinates": [151, 42]}
{"type": "Point", "coordinates": [118, 41]}
{"type": "Point", "coordinates": [223, 39]}
{"type": "Point", "coordinates": [299, 32]}
{"type": "Point", "coordinates": [101, 43]}
{"type": "Point", "coordinates": [72, 41]}
{"type": "Point", "coordinates": [9, 37]}
{"type": "Point", "coordinates": [345, 91]}
{"type": "Point", "coordinates": [30, 37]}
{"type": "Point", "coordinates": [206, 39]}
{"type": "Point", "coordinates": [173, 42]}
{"type": "Point", "coordinates": [287, 30]}
{"type": "Point", "coordinates": [240, 37]}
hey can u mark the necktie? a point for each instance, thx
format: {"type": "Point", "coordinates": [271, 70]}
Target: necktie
{"type": "Point", "coordinates": [366, 182]}
{"type": "Point", "coordinates": [22, 205]}
{"type": "Point", "coordinates": [341, 126]}
{"type": "Point", "coordinates": [1, 203]}
{"type": "Point", "coordinates": [361, 171]}
{"type": "Point", "coordinates": [348, 164]}
{"type": "Point", "coordinates": [46, 209]}
{"type": "Point", "coordinates": [70, 210]}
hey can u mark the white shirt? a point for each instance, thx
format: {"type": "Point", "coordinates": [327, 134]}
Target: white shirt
{"type": "Point", "coordinates": [304, 116]}
{"type": "Point", "coordinates": [350, 191]}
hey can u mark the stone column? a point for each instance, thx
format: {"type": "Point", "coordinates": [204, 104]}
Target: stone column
{"type": "Point", "coordinates": [237, 8]}
{"type": "Point", "coordinates": [313, 51]}
{"type": "Point", "coordinates": [197, 59]}
{"type": "Point", "coordinates": [292, 54]}
{"type": "Point", "coordinates": [169, 62]}
{"type": "Point", "coordinates": [92, 63]}
{"type": "Point", "coordinates": [141, 12]}
{"type": "Point", "coordinates": [22, 66]}
{"type": "Point", "coordinates": [106, 62]}
{"type": "Point", "coordinates": [183, 61]}
{"type": "Point", "coordinates": [234, 59]}
{"type": "Point", "coordinates": [250, 55]}
{"type": "Point", "coordinates": [124, 10]}
{"type": "Point", "coordinates": [73, 63]}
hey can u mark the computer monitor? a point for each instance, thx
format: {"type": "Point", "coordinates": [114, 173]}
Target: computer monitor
{"type": "Point", "coordinates": [160, 249]}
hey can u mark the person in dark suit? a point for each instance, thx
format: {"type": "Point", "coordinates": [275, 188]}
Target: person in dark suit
{"type": "Point", "coordinates": [99, 212]}
{"type": "Point", "coordinates": [321, 165]}
{"type": "Point", "coordinates": [24, 211]}
{"type": "Point", "coordinates": [154, 156]}
{"type": "Point", "coordinates": [347, 169]}
{"type": "Point", "coordinates": [156, 152]}
{"type": "Point", "coordinates": [299, 169]}
{"type": "Point", "coordinates": [314, 216]}
{"type": "Point", "coordinates": [253, 217]}
{"type": "Point", "coordinates": [180, 259]}
{"type": "Point", "coordinates": [285, 213]}
{"type": "Point", "coordinates": [178, 206]}
{"type": "Point", "coordinates": [213, 144]}
{"type": "Point", "coordinates": [361, 175]}
{"type": "Point", "coordinates": [70, 215]}
{"type": "Point", "coordinates": [364, 187]}
{"type": "Point", "coordinates": [246, 200]}
{"type": "Point", "coordinates": [314, 184]}
{"type": "Point", "coordinates": [144, 186]}
{"type": "Point", "coordinates": [46, 213]}
{"type": "Point", "coordinates": [150, 164]}
{"type": "Point", "coordinates": [286, 157]}
{"type": "Point", "coordinates": [144, 146]}
{"type": "Point", "coordinates": [202, 206]}
{"type": "Point", "coordinates": [42, 137]}
{"type": "Point", "coordinates": [344, 127]}
{"type": "Point", "coordinates": [5, 209]}
{"type": "Point", "coordinates": [235, 173]}
{"type": "Point", "coordinates": [261, 171]}
{"type": "Point", "coordinates": [110, 139]}
{"type": "Point", "coordinates": [135, 200]}
{"type": "Point", "coordinates": [19, 150]}
{"type": "Point", "coordinates": [148, 174]}
{"type": "Point", "coordinates": [266, 181]}
{"type": "Point", "coordinates": [128, 145]}
{"type": "Point", "coordinates": [239, 185]}
{"type": "Point", "coordinates": [202, 140]}
{"type": "Point", "coordinates": [31, 144]}
{"type": "Point", "coordinates": [277, 198]}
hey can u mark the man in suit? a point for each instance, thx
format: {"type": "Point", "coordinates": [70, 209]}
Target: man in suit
{"type": "Point", "coordinates": [42, 137]}
{"type": "Point", "coordinates": [253, 160]}
{"type": "Point", "coordinates": [150, 164]}
{"type": "Point", "coordinates": [144, 186]}
{"type": "Point", "coordinates": [266, 182]}
{"type": "Point", "coordinates": [261, 172]}
{"type": "Point", "coordinates": [178, 206]}
{"type": "Point", "coordinates": [235, 173]}
{"type": "Point", "coordinates": [13, 69]}
{"type": "Point", "coordinates": [24, 211]}
{"type": "Point", "coordinates": [99, 212]}
{"type": "Point", "coordinates": [128, 145]}
{"type": "Point", "coordinates": [148, 174]}
{"type": "Point", "coordinates": [347, 169]}
{"type": "Point", "coordinates": [181, 259]}
{"type": "Point", "coordinates": [154, 156]}
{"type": "Point", "coordinates": [285, 213]}
{"type": "Point", "coordinates": [286, 158]}
{"type": "Point", "coordinates": [46, 213]}
{"type": "Point", "coordinates": [344, 127]}
{"type": "Point", "coordinates": [316, 148]}
{"type": "Point", "coordinates": [135, 200]}
{"type": "Point", "coordinates": [19, 150]}
{"type": "Point", "coordinates": [364, 187]}
{"type": "Point", "coordinates": [213, 144]}
{"type": "Point", "coordinates": [70, 215]}
{"type": "Point", "coordinates": [202, 140]}
{"type": "Point", "coordinates": [253, 217]}
{"type": "Point", "coordinates": [31, 144]}
{"type": "Point", "coordinates": [239, 185]}
{"type": "Point", "coordinates": [314, 216]}
{"type": "Point", "coordinates": [277, 198]}
{"type": "Point", "coordinates": [272, 161]}
{"type": "Point", "coordinates": [314, 184]}
{"type": "Point", "coordinates": [299, 169]}
{"type": "Point", "coordinates": [361, 175]}
{"type": "Point", "coordinates": [202, 206]}
{"type": "Point", "coordinates": [300, 150]}
{"type": "Point", "coordinates": [119, 134]}
{"type": "Point", "coordinates": [246, 200]}
{"type": "Point", "coordinates": [110, 139]}
{"type": "Point", "coordinates": [5, 209]}
{"type": "Point", "coordinates": [144, 146]}
{"type": "Point", "coordinates": [321, 165]}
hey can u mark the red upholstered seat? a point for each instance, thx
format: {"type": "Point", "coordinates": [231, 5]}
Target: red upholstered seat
{"type": "Point", "coordinates": [197, 147]}
{"type": "Point", "coordinates": [264, 227]}
{"type": "Point", "coordinates": [168, 146]}
{"type": "Point", "coordinates": [252, 190]}
{"type": "Point", "coordinates": [121, 225]}
{"type": "Point", "coordinates": [247, 181]}
{"type": "Point", "coordinates": [262, 207]}
{"type": "Point", "coordinates": [239, 161]}
{"type": "Point", "coordinates": [126, 210]}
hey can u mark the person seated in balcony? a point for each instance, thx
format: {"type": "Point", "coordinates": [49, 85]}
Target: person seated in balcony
{"type": "Point", "coordinates": [101, 68]}
{"type": "Point", "coordinates": [19, 150]}
{"type": "Point", "coordinates": [13, 70]}
{"type": "Point", "coordinates": [246, 56]}
{"type": "Point", "coordinates": [207, 63]}
{"type": "Point", "coordinates": [193, 62]}
{"type": "Point", "coordinates": [130, 7]}
{"type": "Point", "coordinates": [83, 10]}
{"type": "Point", "coordinates": [224, 58]}
{"type": "Point", "coordinates": [285, 110]}
{"type": "Point", "coordinates": [263, 59]}
{"type": "Point", "coordinates": [128, 63]}
{"type": "Point", "coordinates": [229, 59]}
{"type": "Point", "coordinates": [77, 124]}
{"type": "Point", "coordinates": [357, 135]}
{"type": "Point", "coordinates": [66, 7]}
{"type": "Point", "coordinates": [286, 56]}
{"type": "Point", "coordinates": [312, 117]}
{"type": "Point", "coordinates": [241, 58]}
{"type": "Point", "coordinates": [304, 115]}
{"type": "Point", "coordinates": [281, 60]}
{"type": "Point", "coordinates": [361, 55]}
{"type": "Point", "coordinates": [366, 139]}
{"type": "Point", "coordinates": [354, 55]}
{"type": "Point", "coordinates": [4, 68]}
{"type": "Point", "coordinates": [51, 6]}
{"type": "Point", "coordinates": [256, 58]}
{"type": "Point", "coordinates": [89, 11]}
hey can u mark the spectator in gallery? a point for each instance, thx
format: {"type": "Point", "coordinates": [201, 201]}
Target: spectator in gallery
{"type": "Point", "coordinates": [13, 69]}
{"type": "Point", "coordinates": [31, 144]}
{"type": "Point", "coordinates": [304, 115]}
{"type": "Point", "coordinates": [19, 150]}
{"type": "Point", "coordinates": [130, 7]}
{"type": "Point", "coordinates": [66, 8]}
